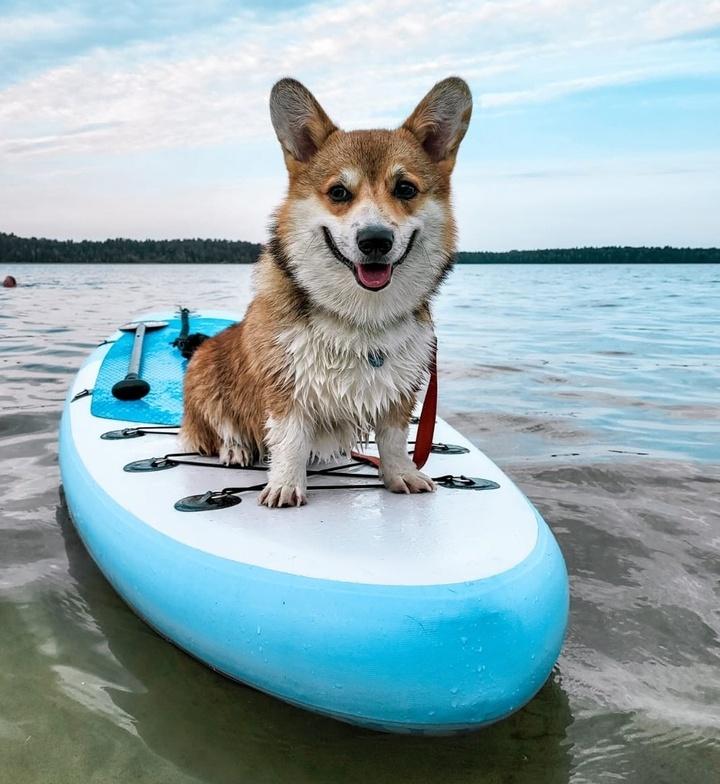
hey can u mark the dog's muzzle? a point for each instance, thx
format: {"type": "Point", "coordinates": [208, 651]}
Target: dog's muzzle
{"type": "Point", "coordinates": [375, 242]}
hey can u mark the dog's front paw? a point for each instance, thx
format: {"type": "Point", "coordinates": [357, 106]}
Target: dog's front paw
{"type": "Point", "coordinates": [277, 495]}
{"type": "Point", "coordinates": [235, 454]}
{"type": "Point", "coordinates": [409, 481]}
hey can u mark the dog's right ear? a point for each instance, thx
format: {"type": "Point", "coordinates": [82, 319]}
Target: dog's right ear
{"type": "Point", "coordinates": [300, 123]}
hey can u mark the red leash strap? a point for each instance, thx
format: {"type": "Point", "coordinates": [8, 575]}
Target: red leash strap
{"type": "Point", "coordinates": [369, 459]}
{"type": "Point", "coordinates": [426, 425]}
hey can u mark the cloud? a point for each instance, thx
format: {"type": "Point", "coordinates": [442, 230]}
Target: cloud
{"type": "Point", "coordinates": [610, 168]}
{"type": "Point", "coordinates": [552, 90]}
{"type": "Point", "coordinates": [57, 141]}
{"type": "Point", "coordinates": [367, 60]}
{"type": "Point", "coordinates": [37, 27]}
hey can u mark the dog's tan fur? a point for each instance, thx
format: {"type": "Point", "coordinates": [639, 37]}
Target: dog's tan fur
{"type": "Point", "coordinates": [251, 389]}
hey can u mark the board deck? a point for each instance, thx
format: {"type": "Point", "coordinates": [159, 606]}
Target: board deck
{"type": "Point", "coordinates": [162, 367]}
{"type": "Point", "coordinates": [357, 534]}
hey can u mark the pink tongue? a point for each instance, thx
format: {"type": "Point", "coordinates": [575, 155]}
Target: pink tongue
{"type": "Point", "coordinates": [374, 276]}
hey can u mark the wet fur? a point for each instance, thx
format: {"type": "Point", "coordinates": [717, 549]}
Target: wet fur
{"type": "Point", "coordinates": [293, 380]}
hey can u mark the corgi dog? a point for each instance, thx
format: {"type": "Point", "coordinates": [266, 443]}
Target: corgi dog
{"type": "Point", "coordinates": [339, 335]}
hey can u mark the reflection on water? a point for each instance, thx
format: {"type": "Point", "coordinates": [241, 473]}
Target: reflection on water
{"type": "Point", "coordinates": [605, 416]}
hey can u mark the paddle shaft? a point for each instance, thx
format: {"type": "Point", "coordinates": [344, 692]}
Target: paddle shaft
{"type": "Point", "coordinates": [132, 387]}
{"type": "Point", "coordinates": [136, 355]}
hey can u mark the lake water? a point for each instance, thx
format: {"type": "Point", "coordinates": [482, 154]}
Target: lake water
{"type": "Point", "coordinates": [596, 387]}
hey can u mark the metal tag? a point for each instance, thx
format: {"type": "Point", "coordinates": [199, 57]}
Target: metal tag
{"type": "Point", "coordinates": [376, 358]}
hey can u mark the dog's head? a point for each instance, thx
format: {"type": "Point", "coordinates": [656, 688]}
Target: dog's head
{"type": "Point", "coordinates": [367, 230]}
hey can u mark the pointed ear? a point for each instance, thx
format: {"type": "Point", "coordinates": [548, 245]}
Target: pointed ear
{"type": "Point", "coordinates": [440, 120]}
{"type": "Point", "coordinates": [300, 123]}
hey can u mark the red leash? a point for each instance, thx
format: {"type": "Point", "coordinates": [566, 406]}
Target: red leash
{"type": "Point", "coordinates": [426, 425]}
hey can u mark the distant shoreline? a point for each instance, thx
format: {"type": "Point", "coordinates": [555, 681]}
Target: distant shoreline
{"type": "Point", "coordinates": [32, 250]}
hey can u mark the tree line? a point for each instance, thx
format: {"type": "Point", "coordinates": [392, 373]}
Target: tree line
{"type": "Point", "coordinates": [612, 254]}
{"type": "Point", "coordinates": [20, 250]}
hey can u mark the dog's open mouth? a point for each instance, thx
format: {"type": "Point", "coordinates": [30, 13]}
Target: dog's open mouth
{"type": "Point", "coordinates": [371, 275]}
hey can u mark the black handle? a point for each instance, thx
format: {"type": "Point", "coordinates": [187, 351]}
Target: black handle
{"type": "Point", "coordinates": [131, 388]}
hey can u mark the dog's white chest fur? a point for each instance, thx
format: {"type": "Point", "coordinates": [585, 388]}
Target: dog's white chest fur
{"type": "Point", "coordinates": [338, 389]}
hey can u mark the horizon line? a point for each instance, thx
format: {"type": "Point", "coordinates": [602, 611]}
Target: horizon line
{"type": "Point", "coordinates": [262, 244]}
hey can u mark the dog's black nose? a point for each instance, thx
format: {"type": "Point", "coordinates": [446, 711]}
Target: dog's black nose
{"type": "Point", "coordinates": [375, 241]}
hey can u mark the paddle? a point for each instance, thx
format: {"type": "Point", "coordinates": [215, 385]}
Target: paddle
{"type": "Point", "coordinates": [132, 387]}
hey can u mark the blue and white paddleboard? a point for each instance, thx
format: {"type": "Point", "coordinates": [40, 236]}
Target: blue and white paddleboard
{"type": "Point", "coordinates": [431, 613]}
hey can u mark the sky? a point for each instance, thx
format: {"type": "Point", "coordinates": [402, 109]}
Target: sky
{"type": "Point", "coordinates": [596, 122]}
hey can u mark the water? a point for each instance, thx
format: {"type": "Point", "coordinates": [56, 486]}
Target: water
{"type": "Point", "coordinates": [596, 388]}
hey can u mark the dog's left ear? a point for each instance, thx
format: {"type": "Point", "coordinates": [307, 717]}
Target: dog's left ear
{"type": "Point", "coordinates": [300, 122]}
{"type": "Point", "coordinates": [440, 120]}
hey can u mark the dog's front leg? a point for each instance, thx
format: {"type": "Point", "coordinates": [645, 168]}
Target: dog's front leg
{"type": "Point", "coordinates": [399, 473]}
{"type": "Point", "coordinates": [288, 439]}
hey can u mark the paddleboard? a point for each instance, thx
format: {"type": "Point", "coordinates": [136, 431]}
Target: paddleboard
{"type": "Point", "coordinates": [433, 613]}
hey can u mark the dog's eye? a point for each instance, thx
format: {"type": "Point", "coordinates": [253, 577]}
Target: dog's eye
{"type": "Point", "coordinates": [405, 190]}
{"type": "Point", "coordinates": [339, 193]}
